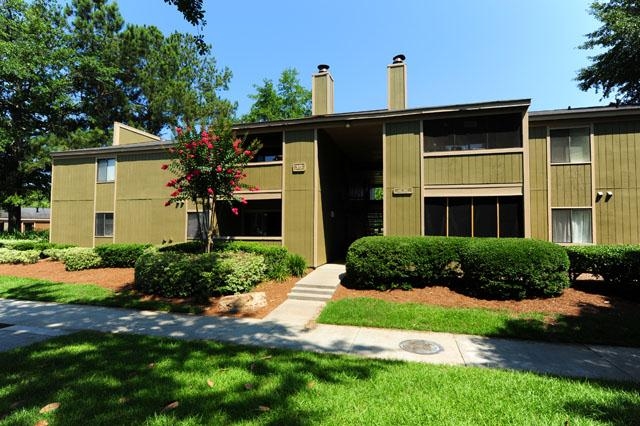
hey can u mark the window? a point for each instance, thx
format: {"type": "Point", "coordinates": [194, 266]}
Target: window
{"type": "Point", "coordinates": [104, 224]}
{"type": "Point", "coordinates": [571, 225]}
{"type": "Point", "coordinates": [464, 134]}
{"type": "Point", "coordinates": [106, 169]}
{"type": "Point", "coordinates": [474, 216]}
{"type": "Point", "coordinates": [271, 147]}
{"type": "Point", "coordinates": [258, 218]}
{"type": "Point", "coordinates": [570, 145]}
{"type": "Point", "coordinates": [193, 233]}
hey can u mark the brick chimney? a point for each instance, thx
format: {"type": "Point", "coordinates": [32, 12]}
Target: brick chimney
{"type": "Point", "coordinates": [397, 83]}
{"type": "Point", "coordinates": [322, 91]}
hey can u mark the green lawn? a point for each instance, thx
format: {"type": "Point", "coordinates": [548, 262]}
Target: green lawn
{"type": "Point", "coordinates": [123, 379]}
{"type": "Point", "coordinates": [601, 327]}
{"type": "Point", "coordinates": [82, 294]}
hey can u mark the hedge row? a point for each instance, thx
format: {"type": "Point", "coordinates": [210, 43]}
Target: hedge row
{"type": "Point", "coordinates": [511, 268]}
{"type": "Point", "coordinates": [172, 274]}
{"type": "Point", "coordinates": [280, 262]}
{"type": "Point", "coordinates": [617, 264]}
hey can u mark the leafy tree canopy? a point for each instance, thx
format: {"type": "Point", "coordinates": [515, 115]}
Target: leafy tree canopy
{"type": "Point", "coordinates": [288, 100]}
{"type": "Point", "coordinates": [67, 73]}
{"type": "Point", "coordinates": [615, 71]}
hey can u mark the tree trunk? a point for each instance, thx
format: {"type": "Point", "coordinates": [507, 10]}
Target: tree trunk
{"type": "Point", "coordinates": [15, 217]}
{"type": "Point", "coordinates": [213, 230]}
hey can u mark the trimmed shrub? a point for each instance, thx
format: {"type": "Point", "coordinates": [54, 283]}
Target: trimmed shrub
{"type": "Point", "coordinates": [275, 257]}
{"type": "Point", "coordinates": [19, 256]}
{"type": "Point", "coordinates": [402, 262]}
{"type": "Point", "coordinates": [120, 255]}
{"type": "Point", "coordinates": [239, 272]}
{"type": "Point", "coordinates": [296, 265]}
{"type": "Point", "coordinates": [617, 264]}
{"type": "Point", "coordinates": [514, 268]}
{"type": "Point", "coordinates": [56, 254]}
{"type": "Point", "coordinates": [79, 258]}
{"type": "Point", "coordinates": [168, 274]}
{"type": "Point", "coordinates": [191, 247]}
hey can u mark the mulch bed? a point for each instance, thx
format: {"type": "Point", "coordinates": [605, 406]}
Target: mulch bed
{"type": "Point", "coordinates": [119, 279]}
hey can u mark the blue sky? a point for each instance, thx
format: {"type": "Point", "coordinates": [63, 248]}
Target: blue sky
{"type": "Point", "coordinates": [458, 51]}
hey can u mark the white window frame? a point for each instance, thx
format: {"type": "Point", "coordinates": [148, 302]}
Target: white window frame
{"type": "Point", "coordinates": [102, 231]}
{"type": "Point", "coordinates": [571, 224]}
{"type": "Point", "coordinates": [590, 141]}
{"type": "Point", "coordinates": [110, 173]}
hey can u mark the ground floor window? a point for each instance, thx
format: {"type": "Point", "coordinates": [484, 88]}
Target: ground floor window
{"type": "Point", "coordinates": [571, 225]}
{"type": "Point", "coordinates": [474, 216]}
{"type": "Point", "coordinates": [194, 220]}
{"type": "Point", "coordinates": [104, 224]}
{"type": "Point", "coordinates": [257, 218]}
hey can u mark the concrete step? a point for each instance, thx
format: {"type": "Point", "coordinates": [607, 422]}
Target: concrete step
{"type": "Point", "coordinates": [309, 297]}
{"type": "Point", "coordinates": [330, 287]}
{"type": "Point", "coordinates": [313, 291]}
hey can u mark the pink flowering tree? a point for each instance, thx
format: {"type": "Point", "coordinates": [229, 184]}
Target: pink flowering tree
{"type": "Point", "coordinates": [208, 166]}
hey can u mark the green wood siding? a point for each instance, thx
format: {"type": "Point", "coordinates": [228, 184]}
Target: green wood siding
{"type": "Point", "coordinates": [104, 197]}
{"type": "Point", "coordinates": [538, 183]}
{"type": "Point", "coordinates": [571, 185]}
{"type": "Point", "coordinates": [617, 169]}
{"type": "Point", "coordinates": [298, 203]}
{"type": "Point", "coordinates": [473, 169]}
{"type": "Point", "coordinates": [72, 194]}
{"type": "Point", "coordinates": [264, 176]}
{"type": "Point", "coordinates": [397, 87]}
{"type": "Point", "coordinates": [128, 137]}
{"type": "Point", "coordinates": [403, 153]}
{"type": "Point", "coordinates": [140, 214]}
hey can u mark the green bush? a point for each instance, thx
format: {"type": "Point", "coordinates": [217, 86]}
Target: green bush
{"type": "Point", "coordinates": [56, 254]}
{"type": "Point", "coordinates": [514, 268]}
{"type": "Point", "coordinates": [19, 256]}
{"type": "Point", "coordinates": [274, 256]}
{"type": "Point", "coordinates": [42, 235]}
{"type": "Point", "coordinates": [79, 258]}
{"type": "Point", "coordinates": [296, 265]}
{"type": "Point", "coordinates": [617, 264]}
{"type": "Point", "coordinates": [402, 262]}
{"type": "Point", "coordinates": [191, 247]}
{"type": "Point", "coordinates": [168, 274]}
{"type": "Point", "coordinates": [240, 272]}
{"type": "Point", "coordinates": [120, 255]}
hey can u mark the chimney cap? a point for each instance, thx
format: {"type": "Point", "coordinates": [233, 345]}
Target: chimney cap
{"type": "Point", "coordinates": [398, 59]}
{"type": "Point", "coordinates": [323, 68]}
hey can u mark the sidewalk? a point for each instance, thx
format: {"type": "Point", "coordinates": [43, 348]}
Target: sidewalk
{"type": "Point", "coordinates": [38, 320]}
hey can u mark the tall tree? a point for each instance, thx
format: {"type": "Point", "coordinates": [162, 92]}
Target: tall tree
{"type": "Point", "coordinates": [35, 99]}
{"type": "Point", "coordinates": [67, 75]}
{"type": "Point", "coordinates": [615, 71]}
{"type": "Point", "coordinates": [289, 100]}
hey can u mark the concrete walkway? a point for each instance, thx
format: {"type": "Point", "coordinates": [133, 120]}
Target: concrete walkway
{"type": "Point", "coordinates": [291, 326]}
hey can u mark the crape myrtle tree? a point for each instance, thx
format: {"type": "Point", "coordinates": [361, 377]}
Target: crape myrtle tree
{"type": "Point", "coordinates": [208, 165]}
{"type": "Point", "coordinates": [615, 70]}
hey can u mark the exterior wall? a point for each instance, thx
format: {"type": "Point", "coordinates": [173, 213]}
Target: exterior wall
{"type": "Point", "coordinates": [140, 215]}
{"type": "Point", "coordinates": [539, 208]}
{"type": "Point", "coordinates": [617, 170]}
{"type": "Point", "coordinates": [299, 193]}
{"type": "Point", "coordinates": [571, 185]}
{"type": "Point", "coordinates": [473, 169]}
{"type": "Point", "coordinates": [402, 151]}
{"type": "Point", "coordinates": [266, 176]}
{"type": "Point", "coordinates": [125, 135]}
{"type": "Point", "coordinates": [397, 84]}
{"type": "Point", "coordinates": [72, 201]}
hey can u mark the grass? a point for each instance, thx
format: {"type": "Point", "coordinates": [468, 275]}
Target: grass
{"type": "Point", "coordinates": [83, 294]}
{"type": "Point", "coordinates": [596, 327]}
{"type": "Point", "coordinates": [123, 379]}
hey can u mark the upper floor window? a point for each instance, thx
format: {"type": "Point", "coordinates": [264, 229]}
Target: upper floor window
{"type": "Point", "coordinates": [271, 149]}
{"type": "Point", "coordinates": [570, 145]}
{"type": "Point", "coordinates": [471, 133]}
{"type": "Point", "coordinates": [106, 169]}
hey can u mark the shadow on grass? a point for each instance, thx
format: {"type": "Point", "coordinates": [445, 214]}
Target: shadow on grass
{"type": "Point", "coordinates": [88, 294]}
{"type": "Point", "coordinates": [123, 379]}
